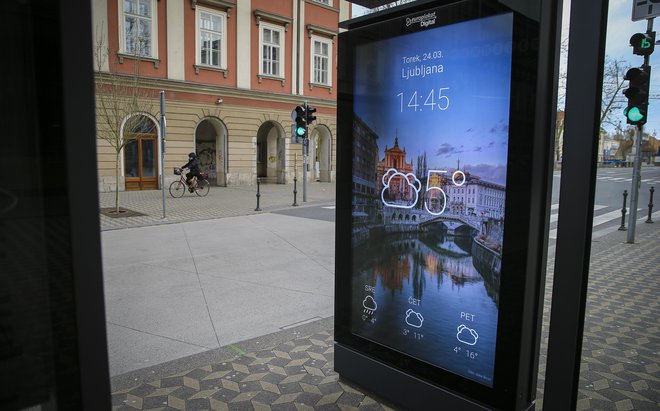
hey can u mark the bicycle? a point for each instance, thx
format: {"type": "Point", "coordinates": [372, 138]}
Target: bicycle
{"type": "Point", "coordinates": [199, 187]}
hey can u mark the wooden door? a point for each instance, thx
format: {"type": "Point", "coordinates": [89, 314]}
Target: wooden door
{"type": "Point", "coordinates": [141, 162]}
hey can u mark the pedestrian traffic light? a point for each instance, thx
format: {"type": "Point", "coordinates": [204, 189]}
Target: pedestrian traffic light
{"type": "Point", "coordinates": [637, 94]}
{"type": "Point", "coordinates": [643, 43]}
{"type": "Point", "coordinates": [301, 121]}
{"type": "Point", "coordinates": [309, 114]}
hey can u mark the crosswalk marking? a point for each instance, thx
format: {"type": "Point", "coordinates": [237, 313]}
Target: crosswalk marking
{"type": "Point", "coordinates": [628, 180]}
{"type": "Point", "coordinates": [607, 217]}
{"type": "Point", "coordinates": [330, 207]}
{"type": "Point", "coordinates": [555, 217]}
{"type": "Point", "coordinates": [607, 230]}
{"type": "Point", "coordinates": [603, 218]}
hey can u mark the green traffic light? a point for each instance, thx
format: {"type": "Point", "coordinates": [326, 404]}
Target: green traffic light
{"type": "Point", "coordinates": [633, 114]}
{"type": "Point", "coordinates": [300, 131]}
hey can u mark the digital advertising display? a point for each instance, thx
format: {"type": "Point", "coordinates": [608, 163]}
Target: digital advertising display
{"type": "Point", "coordinates": [436, 113]}
{"type": "Point", "coordinates": [430, 165]}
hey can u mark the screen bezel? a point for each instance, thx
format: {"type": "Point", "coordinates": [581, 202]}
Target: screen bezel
{"type": "Point", "coordinates": [512, 367]}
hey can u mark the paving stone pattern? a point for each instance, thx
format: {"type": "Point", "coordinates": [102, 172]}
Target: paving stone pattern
{"type": "Point", "coordinates": [621, 344]}
{"type": "Point", "coordinates": [620, 368]}
{"type": "Point", "coordinates": [220, 202]}
{"type": "Point", "coordinates": [295, 375]}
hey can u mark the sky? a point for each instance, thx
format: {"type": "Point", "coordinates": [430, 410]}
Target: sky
{"type": "Point", "coordinates": [430, 103]}
{"type": "Point", "coordinates": [619, 29]}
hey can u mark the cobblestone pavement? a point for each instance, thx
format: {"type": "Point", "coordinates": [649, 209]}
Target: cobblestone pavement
{"type": "Point", "coordinates": [621, 344]}
{"type": "Point", "coordinates": [294, 370]}
{"type": "Point", "coordinates": [220, 202]}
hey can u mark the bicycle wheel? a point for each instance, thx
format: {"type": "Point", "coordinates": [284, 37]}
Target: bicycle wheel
{"type": "Point", "coordinates": [202, 188]}
{"type": "Point", "coordinates": [177, 189]}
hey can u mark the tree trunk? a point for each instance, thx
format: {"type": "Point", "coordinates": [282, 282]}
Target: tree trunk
{"type": "Point", "coordinates": [117, 182]}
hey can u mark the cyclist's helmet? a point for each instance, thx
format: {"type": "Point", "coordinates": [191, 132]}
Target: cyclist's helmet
{"type": "Point", "coordinates": [192, 156]}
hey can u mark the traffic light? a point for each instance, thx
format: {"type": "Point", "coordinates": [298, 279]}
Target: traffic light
{"type": "Point", "coordinates": [643, 43]}
{"type": "Point", "coordinates": [637, 94]}
{"type": "Point", "coordinates": [309, 114]}
{"type": "Point", "coordinates": [300, 127]}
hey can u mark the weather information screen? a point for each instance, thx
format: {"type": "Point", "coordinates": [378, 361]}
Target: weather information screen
{"type": "Point", "coordinates": [430, 143]}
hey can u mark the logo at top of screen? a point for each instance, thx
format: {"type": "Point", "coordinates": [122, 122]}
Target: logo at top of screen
{"type": "Point", "coordinates": [425, 20]}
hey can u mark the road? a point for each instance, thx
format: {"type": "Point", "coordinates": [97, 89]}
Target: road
{"type": "Point", "coordinates": [610, 184]}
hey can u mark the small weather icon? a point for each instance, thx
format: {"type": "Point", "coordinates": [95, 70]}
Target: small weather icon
{"type": "Point", "coordinates": [414, 319]}
{"type": "Point", "coordinates": [467, 335]}
{"type": "Point", "coordinates": [369, 304]}
{"type": "Point", "coordinates": [410, 179]}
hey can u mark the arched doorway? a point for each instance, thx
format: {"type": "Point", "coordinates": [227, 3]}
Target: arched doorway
{"type": "Point", "coordinates": [211, 147]}
{"type": "Point", "coordinates": [140, 153]}
{"type": "Point", "coordinates": [320, 154]}
{"type": "Point", "coordinates": [270, 153]}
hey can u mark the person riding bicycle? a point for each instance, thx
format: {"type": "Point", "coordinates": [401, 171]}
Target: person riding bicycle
{"type": "Point", "coordinates": [193, 165]}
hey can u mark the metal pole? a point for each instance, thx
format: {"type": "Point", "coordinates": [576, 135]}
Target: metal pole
{"type": "Point", "coordinates": [623, 212]}
{"type": "Point", "coordinates": [305, 149]}
{"type": "Point", "coordinates": [636, 181]}
{"type": "Point", "coordinates": [649, 220]}
{"type": "Point", "coordinates": [295, 179]}
{"type": "Point", "coordinates": [258, 194]}
{"type": "Point", "coordinates": [163, 125]}
{"type": "Point", "coordinates": [637, 165]}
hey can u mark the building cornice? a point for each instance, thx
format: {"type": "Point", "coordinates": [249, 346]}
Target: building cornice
{"type": "Point", "coordinates": [220, 91]}
{"type": "Point", "coordinates": [276, 18]}
{"type": "Point", "coordinates": [223, 4]}
{"type": "Point", "coordinates": [312, 28]}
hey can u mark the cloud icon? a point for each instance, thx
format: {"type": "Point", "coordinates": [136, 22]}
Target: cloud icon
{"type": "Point", "coordinates": [467, 335]}
{"type": "Point", "coordinates": [400, 193]}
{"type": "Point", "coordinates": [369, 303]}
{"type": "Point", "coordinates": [414, 319]}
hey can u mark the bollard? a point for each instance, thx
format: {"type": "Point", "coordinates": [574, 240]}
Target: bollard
{"type": "Point", "coordinates": [295, 180]}
{"type": "Point", "coordinates": [623, 212]}
{"type": "Point", "coordinates": [648, 220]}
{"type": "Point", "coordinates": [258, 195]}
{"type": "Point", "coordinates": [295, 191]}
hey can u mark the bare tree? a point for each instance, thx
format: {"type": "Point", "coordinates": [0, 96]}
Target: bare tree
{"type": "Point", "coordinates": [613, 84]}
{"type": "Point", "coordinates": [120, 99]}
{"type": "Point", "coordinates": [561, 100]}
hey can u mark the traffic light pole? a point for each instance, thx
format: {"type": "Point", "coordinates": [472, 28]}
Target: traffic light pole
{"type": "Point", "coordinates": [637, 163]}
{"type": "Point", "coordinates": [305, 147]}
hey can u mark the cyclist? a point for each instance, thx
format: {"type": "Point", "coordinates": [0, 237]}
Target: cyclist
{"type": "Point", "coordinates": [193, 165]}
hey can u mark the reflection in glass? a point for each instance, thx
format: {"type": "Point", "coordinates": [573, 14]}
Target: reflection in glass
{"type": "Point", "coordinates": [148, 158]}
{"type": "Point", "coordinates": [131, 159]}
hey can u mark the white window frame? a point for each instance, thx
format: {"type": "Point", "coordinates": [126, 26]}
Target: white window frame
{"type": "Point", "coordinates": [154, 30]}
{"type": "Point", "coordinates": [223, 38]}
{"type": "Point", "coordinates": [282, 59]}
{"type": "Point", "coordinates": [324, 2]}
{"type": "Point", "coordinates": [312, 67]}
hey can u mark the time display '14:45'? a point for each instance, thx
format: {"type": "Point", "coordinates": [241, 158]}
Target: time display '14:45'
{"type": "Point", "coordinates": [432, 100]}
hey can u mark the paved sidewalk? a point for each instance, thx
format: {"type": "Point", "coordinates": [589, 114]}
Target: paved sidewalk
{"type": "Point", "coordinates": [620, 368]}
{"type": "Point", "coordinates": [220, 202]}
{"type": "Point", "coordinates": [291, 368]}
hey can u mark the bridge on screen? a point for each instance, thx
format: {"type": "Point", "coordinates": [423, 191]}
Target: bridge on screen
{"type": "Point", "coordinates": [425, 220]}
